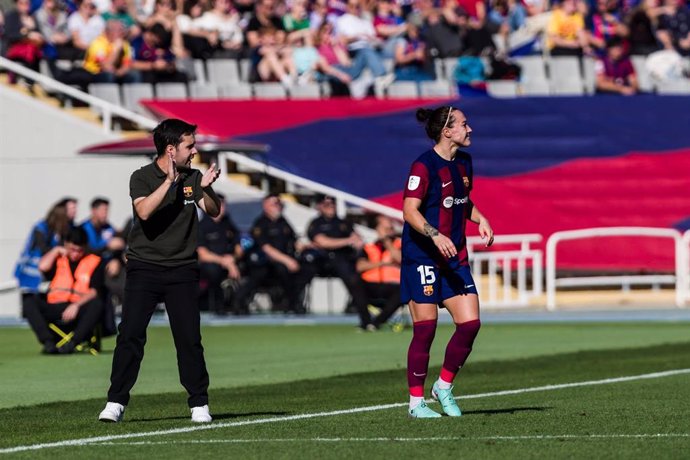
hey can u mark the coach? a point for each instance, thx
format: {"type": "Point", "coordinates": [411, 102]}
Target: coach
{"type": "Point", "coordinates": [162, 266]}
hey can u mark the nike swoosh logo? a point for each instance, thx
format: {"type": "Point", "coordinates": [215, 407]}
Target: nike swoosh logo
{"type": "Point", "coordinates": [445, 184]}
{"type": "Point", "coordinates": [469, 286]}
{"type": "Point", "coordinates": [418, 375]}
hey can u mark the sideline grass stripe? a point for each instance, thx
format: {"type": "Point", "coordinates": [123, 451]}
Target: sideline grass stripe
{"type": "Point", "coordinates": [546, 437]}
{"type": "Point", "coordinates": [213, 426]}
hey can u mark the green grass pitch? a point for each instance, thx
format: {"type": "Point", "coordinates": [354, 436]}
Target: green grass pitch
{"type": "Point", "coordinates": [528, 391]}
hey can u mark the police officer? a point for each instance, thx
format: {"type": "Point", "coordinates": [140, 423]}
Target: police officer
{"type": "Point", "coordinates": [219, 250]}
{"type": "Point", "coordinates": [277, 260]}
{"type": "Point", "coordinates": [162, 266]}
{"type": "Point", "coordinates": [337, 246]}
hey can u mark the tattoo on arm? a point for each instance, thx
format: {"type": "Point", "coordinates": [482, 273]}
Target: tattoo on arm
{"type": "Point", "coordinates": [429, 230]}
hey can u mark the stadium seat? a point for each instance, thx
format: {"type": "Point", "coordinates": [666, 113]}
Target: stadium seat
{"type": "Point", "coordinates": [502, 88]}
{"type": "Point", "coordinates": [245, 69]}
{"type": "Point", "coordinates": [589, 74]}
{"type": "Point", "coordinates": [644, 79]}
{"type": "Point", "coordinates": [269, 91]}
{"type": "Point", "coordinates": [436, 88]}
{"type": "Point", "coordinates": [438, 68]}
{"type": "Point", "coordinates": [533, 68]}
{"type": "Point", "coordinates": [109, 92]}
{"type": "Point", "coordinates": [674, 87]}
{"type": "Point", "coordinates": [223, 71]}
{"type": "Point", "coordinates": [565, 76]}
{"type": "Point", "coordinates": [306, 91]}
{"type": "Point", "coordinates": [449, 65]}
{"type": "Point", "coordinates": [389, 65]}
{"type": "Point", "coordinates": [171, 91]}
{"type": "Point", "coordinates": [203, 91]}
{"type": "Point", "coordinates": [134, 92]}
{"type": "Point", "coordinates": [535, 88]}
{"type": "Point", "coordinates": [235, 91]}
{"type": "Point", "coordinates": [63, 335]}
{"type": "Point", "coordinates": [402, 90]}
{"type": "Point", "coordinates": [200, 71]}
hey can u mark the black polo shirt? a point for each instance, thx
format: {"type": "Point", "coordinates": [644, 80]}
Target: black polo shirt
{"type": "Point", "coordinates": [169, 236]}
{"type": "Point", "coordinates": [332, 228]}
{"type": "Point", "coordinates": [278, 234]}
{"type": "Point", "coordinates": [218, 237]}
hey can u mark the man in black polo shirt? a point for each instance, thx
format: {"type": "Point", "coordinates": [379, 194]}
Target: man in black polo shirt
{"type": "Point", "coordinates": [337, 247]}
{"type": "Point", "coordinates": [162, 266]}
{"type": "Point", "coordinates": [219, 250]}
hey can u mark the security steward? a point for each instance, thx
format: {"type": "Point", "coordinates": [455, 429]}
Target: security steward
{"type": "Point", "coordinates": [219, 252]}
{"type": "Point", "coordinates": [274, 260]}
{"type": "Point", "coordinates": [337, 245]}
{"type": "Point", "coordinates": [73, 296]}
{"type": "Point", "coordinates": [379, 266]}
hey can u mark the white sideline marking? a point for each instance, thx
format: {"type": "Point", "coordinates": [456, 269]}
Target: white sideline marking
{"type": "Point", "coordinates": [545, 437]}
{"type": "Point", "coordinates": [213, 426]}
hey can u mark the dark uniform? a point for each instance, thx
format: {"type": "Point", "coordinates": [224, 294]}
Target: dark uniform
{"type": "Point", "coordinates": [261, 269]}
{"type": "Point", "coordinates": [339, 263]}
{"type": "Point", "coordinates": [162, 267]}
{"type": "Point", "coordinates": [220, 238]}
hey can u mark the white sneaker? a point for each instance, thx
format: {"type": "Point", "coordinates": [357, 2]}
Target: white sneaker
{"type": "Point", "coordinates": [113, 412]}
{"type": "Point", "coordinates": [200, 414]}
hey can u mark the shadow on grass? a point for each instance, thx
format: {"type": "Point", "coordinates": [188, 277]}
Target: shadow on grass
{"type": "Point", "coordinates": [216, 417]}
{"type": "Point", "coordinates": [507, 410]}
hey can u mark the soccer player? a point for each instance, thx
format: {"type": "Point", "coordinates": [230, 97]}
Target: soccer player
{"type": "Point", "coordinates": [162, 266]}
{"type": "Point", "coordinates": [435, 271]}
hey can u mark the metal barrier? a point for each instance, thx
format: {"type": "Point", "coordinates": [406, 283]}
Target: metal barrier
{"type": "Point", "coordinates": [106, 109]}
{"type": "Point", "coordinates": [624, 280]}
{"type": "Point", "coordinates": [500, 293]}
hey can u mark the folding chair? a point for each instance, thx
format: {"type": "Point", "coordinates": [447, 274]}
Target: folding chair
{"type": "Point", "coordinates": [64, 336]}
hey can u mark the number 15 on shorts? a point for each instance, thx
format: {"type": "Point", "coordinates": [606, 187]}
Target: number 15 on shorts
{"type": "Point", "coordinates": [426, 274]}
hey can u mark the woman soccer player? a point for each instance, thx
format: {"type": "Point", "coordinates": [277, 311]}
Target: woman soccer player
{"type": "Point", "coordinates": [435, 270]}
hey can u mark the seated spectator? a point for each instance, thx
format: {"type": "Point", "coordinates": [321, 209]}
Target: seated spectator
{"type": "Point", "coordinates": [642, 36]}
{"type": "Point", "coordinates": [411, 61]}
{"type": "Point", "coordinates": [566, 35]}
{"type": "Point", "coordinates": [23, 37]}
{"type": "Point", "coordinates": [52, 21]}
{"type": "Point", "coordinates": [153, 60]}
{"type": "Point", "coordinates": [109, 57]}
{"type": "Point", "coordinates": [312, 66]}
{"type": "Point", "coordinates": [224, 32]}
{"type": "Point", "coordinates": [45, 235]}
{"type": "Point", "coordinates": [379, 266]}
{"type": "Point", "coordinates": [119, 10]}
{"type": "Point", "coordinates": [336, 245]}
{"type": "Point", "coordinates": [200, 43]}
{"type": "Point", "coordinates": [389, 25]}
{"type": "Point", "coordinates": [273, 61]}
{"type": "Point", "coordinates": [604, 24]}
{"type": "Point", "coordinates": [84, 25]}
{"type": "Point", "coordinates": [102, 238]}
{"type": "Point", "coordinates": [478, 30]}
{"type": "Point", "coordinates": [441, 29]}
{"type": "Point", "coordinates": [76, 279]}
{"type": "Point", "coordinates": [359, 35]}
{"type": "Point", "coordinates": [219, 250]}
{"type": "Point", "coordinates": [275, 261]}
{"type": "Point", "coordinates": [296, 22]}
{"type": "Point", "coordinates": [506, 17]}
{"type": "Point", "coordinates": [615, 73]}
{"type": "Point", "coordinates": [165, 13]}
{"type": "Point", "coordinates": [264, 17]}
{"type": "Point", "coordinates": [674, 27]}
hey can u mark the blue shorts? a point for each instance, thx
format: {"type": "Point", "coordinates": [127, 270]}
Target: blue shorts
{"type": "Point", "coordinates": [430, 284]}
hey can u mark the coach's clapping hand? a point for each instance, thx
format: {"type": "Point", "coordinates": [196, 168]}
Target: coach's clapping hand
{"type": "Point", "coordinates": [210, 176]}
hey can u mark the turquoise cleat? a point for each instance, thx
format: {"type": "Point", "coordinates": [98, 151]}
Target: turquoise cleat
{"type": "Point", "coordinates": [423, 411]}
{"type": "Point", "coordinates": [445, 397]}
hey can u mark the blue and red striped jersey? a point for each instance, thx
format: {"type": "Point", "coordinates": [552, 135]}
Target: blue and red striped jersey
{"type": "Point", "coordinates": [444, 188]}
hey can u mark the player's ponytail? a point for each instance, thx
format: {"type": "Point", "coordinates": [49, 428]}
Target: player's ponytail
{"type": "Point", "coordinates": [435, 120]}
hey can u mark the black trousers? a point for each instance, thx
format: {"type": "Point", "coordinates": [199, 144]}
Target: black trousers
{"type": "Point", "coordinates": [147, 285]}
{"type": "Point", "coordinates": [275, 273]}
{"type": "Point", "coordinates": [387, 295]}
{"type": "Point", "coordinates": [39, 313]}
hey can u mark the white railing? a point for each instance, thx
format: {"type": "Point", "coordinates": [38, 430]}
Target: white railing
{"type": "Point", "coordinates": [624, 281]}
{"type": "Point", "coordinates": [341, 198]}
{"type": "Point", "coordinates": [9, 285]}
{"type": "Point", "coordinates": [500, 292]}
{"type": "Point", "coordinates": [685, 282]}
{"type": "Point", "coordinates": [106, 109]}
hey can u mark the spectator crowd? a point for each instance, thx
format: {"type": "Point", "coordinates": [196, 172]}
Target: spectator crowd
{"type": "Point", "coordinates": [351, 44]}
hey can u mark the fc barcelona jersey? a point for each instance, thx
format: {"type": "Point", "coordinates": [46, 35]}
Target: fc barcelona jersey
{"type": "Point", "coordinates": [444, 188]}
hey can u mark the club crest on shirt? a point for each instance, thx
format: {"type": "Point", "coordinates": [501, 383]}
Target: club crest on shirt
{"type": "Point", "coordinates": [466, 181]}
{"type": "Point", "coordinates": [188, 191]}
{"type": "Point", "coordinates": [428, 290]}
{"type": "Point", "coordinates": [413, 182]}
